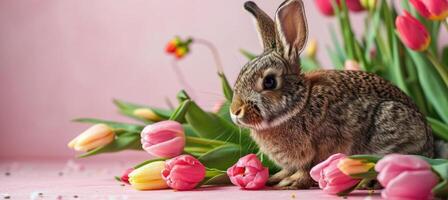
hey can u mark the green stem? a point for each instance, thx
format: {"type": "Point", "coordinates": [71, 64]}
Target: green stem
{"type": "Point", "coordinates": [439, 67]}
{"type": "Point", "coordinates": [203, 141]}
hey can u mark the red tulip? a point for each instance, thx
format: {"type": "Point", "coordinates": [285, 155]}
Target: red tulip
{"type": "Point", "coordinates": [412, 33]}
{"type": "Point", "coordinates": [172, 45]}
{"type": "Point", "coordinates": [432, 9]}
{"type": "Point", "coordinates": [354, 5]}
{"type": "Point", "coordinates": [325, 6]}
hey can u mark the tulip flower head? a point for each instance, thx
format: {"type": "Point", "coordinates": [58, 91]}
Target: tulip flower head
{"type": "Point", "coordinates": [368, 4]}
{"type": "Point", "coordinates": [355, 5]}
{"type": "Point", "coordinates": [125, 177]}
{"type": "Point", "coordinates": [96, 136]}
{"type": "Point", "coordinates": [183, 172]}
{"type": "Point", "coordinates": [350, 166]}
{"type": "Point", "coordinates": [148, 177]}
{"type": "Point", "coordinates": [330, 178]}
{"type": "Point", "coordinates": [405, 177]}
{"type": "Point", "coordinates": [431, 9]}
{"type": "Point", "coordinates": [412, 33]}
{"type": "Point", "coordinates": [248, 173]}
{"type": "Point", "coordinates": [351, 65]}
{"type": "Point", "coordinates": [147, 114]}
{"type": "Point", "coordinates": [164, 139]}
{"type": "Point", "coordinates": [326, 6]}
{"type": "Point", "coordinates": [178, 47]}
{"type": "Point", "coordinates": [312, 48]}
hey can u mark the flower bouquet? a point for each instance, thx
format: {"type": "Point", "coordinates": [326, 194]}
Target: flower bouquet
{"type": "Point", "coordinates": [192, 147]}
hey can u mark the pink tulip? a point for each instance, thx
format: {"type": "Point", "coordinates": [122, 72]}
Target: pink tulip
{"type": "Point", "coordinates": [125, 177]}
{"type": "Point", "coordinates": [325, 6]}
{"type": "Point", "coordinates": [183, 172]}
{"type": "Point", "coordinates": [248, 173]}
{"type": "Point", "coordinates": [354, 5]}
{"type": "Point", "coordinates": [405, 177]}
{"type": "Point", "coordinates": [330, 178]}
{"type": "Point", "coordinates": [412, 33]}
{"type": "Point", "coordinates": [431, 9]}
{"type": "Point", "coordinates": [163, 139]}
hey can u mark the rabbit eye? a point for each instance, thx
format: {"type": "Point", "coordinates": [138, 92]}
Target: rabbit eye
{"type": "Point", "coordinates": [269, 82]}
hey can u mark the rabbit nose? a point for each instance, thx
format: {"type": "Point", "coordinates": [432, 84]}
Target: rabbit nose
{"type": "Point", "coordinates": [237, 108]}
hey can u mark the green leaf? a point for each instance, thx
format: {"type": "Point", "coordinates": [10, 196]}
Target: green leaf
{"type": "Point", "coordinates": [441, 189]}
{"type": "Point", "coordinates": [433, 87]}
{"type": "Point", "coordinates": [224, 111]}
{"type": "Point", "coordinates": [308, 64]}
{"type": "Point", "coordinates": [127, 109]}
{"type": "Point", "coordinates": [179, 114]}
{"type": "Point", "coordinates": [226, 88]}
{"type": "Point", "coordinates": [189, 131]}
{"type": "Point", "coordinates": [439, 129]}
{"type": "Point", "coordinates": [221, 157]}
{"type": "Point", "coordinates": [445, 56]}
{"type": "Point", "coordinates": [247, 54]}
{"type": "Point", "coordinates": [367, 158]}
{"type": "Point", "coordinates": [147, 162]}
{"type": "Point", "coordinates": [221, 179]}
{"type": "Point", "coordinates": [211, 126]}
{"type": "Point", "coordinates": [115, 125]}
{"type": "Point", "coordinates": [371, 174]}
{"type": "Point", "coordinates": [123, 142]}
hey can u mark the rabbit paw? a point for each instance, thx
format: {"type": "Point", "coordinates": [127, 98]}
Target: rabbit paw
{"type": "Point", "coordinates": [279, 176]}
{"type": "Point", "coordinates": [299, 180]}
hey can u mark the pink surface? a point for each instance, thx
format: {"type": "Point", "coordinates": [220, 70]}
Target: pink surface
{"type": "Point", "coordinates": [55, 178]}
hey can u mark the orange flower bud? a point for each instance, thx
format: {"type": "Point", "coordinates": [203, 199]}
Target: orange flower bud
{"type": "Point", "coordinates": [181, 52]}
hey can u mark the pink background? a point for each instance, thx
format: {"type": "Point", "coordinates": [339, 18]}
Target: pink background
{"type": "Point", "coordinates": [62, 59]}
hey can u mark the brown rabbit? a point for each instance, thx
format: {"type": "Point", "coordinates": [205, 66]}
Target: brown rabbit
{"type": "Point", "coordinates": [300, 119]}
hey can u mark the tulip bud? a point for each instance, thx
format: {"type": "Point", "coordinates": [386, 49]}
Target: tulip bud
{"type": "Point", "coordinates": [311, 50]}
{"type": "Point", "coordinates": [147, 114]}
{"type": "Point", "coordinates": [351, 65]}
{"type": "Point", "coordinates": [368, 4]}
{"type": "Point", "coordinates": [326, 7]}
{"type": "Point", "coordinates": [172, 45]}
{"type": "Point", "coordinates": [352, 167]}
{"type": "Point", "coordinates": [183, 172]}
{"type": "Point", "coordinates": [330, 178]}
{"type": "Point", "coordinates": [412, 33]}
{"type": "Point", "coordinates": [125, 177]}
{"type": "Point", "coordinates": [181, 52]}
{"type": "Point", "coordinates": [354, 5]}
{"type": "Point", "coordinates": [148, 177]}
{"type": "Point", "coordinates": [248, 173]}
{"type": "Point", "coordinates": [431, 9]}
{"type": "Point", "coordinates": [94, 137]}
{"type": "Point", "coordinates": [164, 139]}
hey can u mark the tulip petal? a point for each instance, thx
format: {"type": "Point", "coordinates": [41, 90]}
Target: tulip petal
{"type": "Point", "coordinates": [94, 144]}
{"type": "Point", "coordinates": [149, 172]}
{"type": "Point", "coordinates": [166, 149]}
{"type": "Point", "coordinates": [411, 185]}
{"type": "Point", "coordinates": [93, 133]}
{"type": "Point", "coordinates": [316, 170]}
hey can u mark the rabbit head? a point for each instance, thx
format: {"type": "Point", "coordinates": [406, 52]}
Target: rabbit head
{"type": "Point", "coordinates": [270, 86]}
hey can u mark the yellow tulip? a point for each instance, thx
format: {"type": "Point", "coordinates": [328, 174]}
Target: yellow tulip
{"type": "Point", "coordinates": [311, 50]}
{"type": "Point", "coordinates": [148, 177]}
{"type": "Point", "coordinates": [352, 167]}
{"type": "Point", "coordinates": [147, 113]}
{"type": "Point", "coordinates": [94, 137]}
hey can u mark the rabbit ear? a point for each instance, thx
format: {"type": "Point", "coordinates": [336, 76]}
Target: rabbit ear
{"type": "Point", "coordinates": [292, 29]}
{"type": "Point", "coordinates": [265, 25]}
